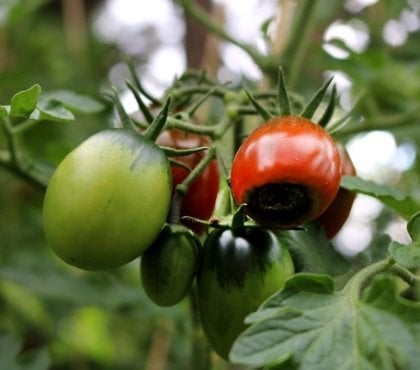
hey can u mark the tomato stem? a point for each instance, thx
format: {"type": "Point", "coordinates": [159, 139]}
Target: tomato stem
{"type": "Point", "coordinates": [182, 188]}
{"type": "Point", "coordinates": [359, 281]}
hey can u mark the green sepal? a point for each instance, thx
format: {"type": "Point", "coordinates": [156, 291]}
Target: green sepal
{"type": "Point", "coordinates": [316, 100]}
{"type": "Point", "coordinates": [329, 111]}
{"type": "Point", "coordinates": [132, 68]}
{"type": "Point", "coordinates": [283, 96]}
{"type": "Point", "coordinates": [124, 117]}
{"type": "Point", "coordinates": [142, 105]}
{"type": "Point", "coordinates": [259, 108]}
{"type": "Point", "coordinates": [159, 122]}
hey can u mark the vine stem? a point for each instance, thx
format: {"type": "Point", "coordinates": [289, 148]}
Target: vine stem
{"type": "Point", "coordinates": [182, 188]}
{"type": "Point", "coordinates": [358, 282]}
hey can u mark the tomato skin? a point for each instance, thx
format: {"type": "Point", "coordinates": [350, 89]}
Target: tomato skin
{"type": "Point", "coordinates": [288, 172]}
{"type": "Point", "coordinates": [334, 217]}
{"type": "Point", "coordinates": [169, 265]}
{"type": "Point", "coordinates": [107, 200]}
{"type": "Point", "coordinates": [239, 270]}
{"type": "Point", "coordinates": [200, 199]}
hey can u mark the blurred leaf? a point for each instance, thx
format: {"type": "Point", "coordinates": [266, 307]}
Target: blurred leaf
{"type": "Point", "coordinates": [11, 360]}
{"type": "Point", "coordinates": [24, 102]}
{"type": "Point", "coordinates": [391, 197]}
{"type": "Point", "coordinates": [413, 227]}
{"type": "Point", "coordinates": [52, 110]}
{"type": "Point", "coordinates": [75, 102]}
{"type": "Point", "coordinates": [312, 251]}
{"type": "Point", "coordinates": [406, 255]}
{"type": "Point", "coordinates": [4, 110]}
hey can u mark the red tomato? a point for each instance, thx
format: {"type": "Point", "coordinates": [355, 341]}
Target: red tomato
{"type": "Point", "coordinates": [287, 171]}
{"type": "Point", "coordinates": [200, 199]}
{"type": "Point", "coordinates": [334, 217]}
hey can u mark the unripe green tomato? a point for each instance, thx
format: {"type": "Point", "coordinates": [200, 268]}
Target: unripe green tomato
{"type": "Point", "coordinates": [107, 200]}
{"type": "Point", "coordinates": [169, 266]}
{"type": "Point", "coordinates": [240, 269]}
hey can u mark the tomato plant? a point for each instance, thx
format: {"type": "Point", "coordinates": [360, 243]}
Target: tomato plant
{"type": "Point", "coordinates": [334, 217]}
{"type": "Point", "coordinates": [200, 199]}
{"type": "Point", "coordinates": [240, 269]}
{"type": "Point", "coordinates": [260, 279]}
{"type": "Point", "coordinates": [169, 265]}
{"type": "Point", "coordinates": [287, 171]}
{"type": "Point", "coordinates": [121, 184]}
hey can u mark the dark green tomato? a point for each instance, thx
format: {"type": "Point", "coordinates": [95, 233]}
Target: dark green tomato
{"type": "Point", "coordinates": [240, 269]}
{"type": "Point", "coordinates": [169, 265]}
{"type": "Point", "coordinates": [107, 200]}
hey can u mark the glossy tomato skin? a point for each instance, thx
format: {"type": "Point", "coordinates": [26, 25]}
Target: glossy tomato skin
{"type": "Point", "coordinates": [239, 270]}
{"type": "Point", "coordinates": [169, 265]}
{"type": "Point", "coordinates": [107, 200]}
{"type": "Point", "coordinates": [287, 171]}
{"type": "Point", "coordinates": [200, 199]}
{"type": "Point", "coordinates": [334, 217]}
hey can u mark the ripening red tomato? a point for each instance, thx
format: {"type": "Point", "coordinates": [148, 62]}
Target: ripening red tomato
{"type": "Point", "coordinates": [287, 171]}
{"type": "Point", "coordinates": [201, 196]}
{"type": "Point", "coordinates": [334, 217]}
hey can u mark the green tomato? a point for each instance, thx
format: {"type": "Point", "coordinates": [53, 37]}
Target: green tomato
{"type": "Point", "coordinates": [240, 269]}
{"type": "Point", "coordinates": [107, 200]}
{"type": "Point", "coordinates": [169, 265]}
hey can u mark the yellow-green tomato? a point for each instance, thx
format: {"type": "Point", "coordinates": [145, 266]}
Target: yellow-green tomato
{"type": "Point", "coordinates": [239, 270]}
{"type": "Point", "coordinates": [169, 265]}
{"type": "Point", "coordinates": [107, 200]}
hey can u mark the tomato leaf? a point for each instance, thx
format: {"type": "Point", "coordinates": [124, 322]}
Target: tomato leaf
{"type": "Point", "coordinates": [75, 102]}
{"type": "Point", "coordinates": [24, 102]}
{"type": "Point", "coordinates": [313, 252]}
{"type": "Point", "coordinates": [388, 195]}
{"type": "Point", "coordinates": [53, 110]}
{"type": "Point", "coordinates": [321, 329]}
{"type": "Point", "coordinates": [406, 255]}
{"type": "Point", "coordinates": [413, 227]}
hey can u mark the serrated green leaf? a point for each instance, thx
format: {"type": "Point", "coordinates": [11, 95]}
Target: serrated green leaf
{"type": "Point", "coordinates": [413, 227]}
{"type": "Point", "coordinates": [24, 102]}
{"type": "Point", "coordinates": [325, 330]}
{"type": "Point", "coordinates": [75, 102]}
{"type": "Point", "coordinates": [313, 283]}
{"type": "Point", "coordinates": [313, 252]}
{"type": "Point", "coordinates": [406, 255]}
{"type": "Point", "coordinates": [52, 110]}
{"type": "Point", "coordinates": [388, 195]}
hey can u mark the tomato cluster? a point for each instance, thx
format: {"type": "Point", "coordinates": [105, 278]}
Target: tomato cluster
{"type": "Point", "coordinates": [112, 200]}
